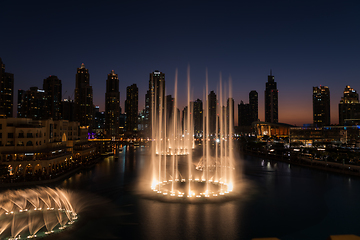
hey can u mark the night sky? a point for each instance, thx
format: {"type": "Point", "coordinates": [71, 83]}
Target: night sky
{"type": "Point", "coordinates": [305, 43]}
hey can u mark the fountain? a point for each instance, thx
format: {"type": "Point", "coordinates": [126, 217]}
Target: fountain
{"type": "Point", "coordinates": [27, 212]}
{"type": "Point", "coordinates": [176, 171]}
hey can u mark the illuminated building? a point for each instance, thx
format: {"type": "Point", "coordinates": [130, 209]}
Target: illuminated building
{"type": "Point", "coordinates": [112, 105]}
{"type": "Point", "coordinates": [154, 97]}
{"type": "Point", "coordinates": [271, 100]}
{"type": "Point", "coordinates": [321, 106]}
{"type": "Point", "coordinates": [37, 147]}
{"type": "Point", "coordinates": [53, 89]}
{"type": "Point", "coordinates": [349, 106]}
{"type": "Point", "coordinates": [7, 92]}
{"type": "Point", "coordinates": [84, 108]}
{"type": "Point", "coordinates": [131, 108]}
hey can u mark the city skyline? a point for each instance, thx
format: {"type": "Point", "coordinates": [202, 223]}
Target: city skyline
{"type": "Point", "coordinates": [305, 43]}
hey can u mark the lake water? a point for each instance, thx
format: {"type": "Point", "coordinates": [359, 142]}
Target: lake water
{"type": "Point", "coordinates": [279, 200]}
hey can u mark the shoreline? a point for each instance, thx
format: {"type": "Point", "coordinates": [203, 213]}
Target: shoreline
{"type": "Point", "coordinates": [333, 167]}
{"type": "Point", "coordinates": [50, 181]}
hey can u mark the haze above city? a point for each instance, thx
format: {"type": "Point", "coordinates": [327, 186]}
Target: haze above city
{"type": "Point", "coordinates": [305, 43]}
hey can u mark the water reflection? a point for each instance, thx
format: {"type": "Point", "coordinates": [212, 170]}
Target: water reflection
{"type": "Point", "coordinates": [283, 202]}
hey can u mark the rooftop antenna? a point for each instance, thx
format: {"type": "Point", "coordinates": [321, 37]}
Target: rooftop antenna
{"type": "Point", "coordinates": [270, 72]}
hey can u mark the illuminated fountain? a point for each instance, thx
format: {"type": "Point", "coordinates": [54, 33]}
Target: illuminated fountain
{"type": "Point", "coordinates": [176, 171]}
{"type": "Point", "coordinates": [33, 212]}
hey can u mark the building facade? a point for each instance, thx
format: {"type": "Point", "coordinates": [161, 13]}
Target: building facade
{"type": "Point", "coordinates": [112, 105]}
{"type": "Point", "coordinates": [33, 104]}
{"type": "Point", "coordinates": [212, 101]}
{"type": "Point", "coordinates": [84, 108]}
{"type": "Point", "coordinates": [254, 105]}
{"type": "Point", "coordinates": [131, 108]}
{"type": "Point", "coordinates": [349, 106]}
{"type": "Point", "coordinates": [7, 92]}
{"type": "Point", "coordinates": [155, 98]}
{"type": "Point", "coordinates": [198, 117]}
{"type": "Point", "coordinates": [53, 89]}
{"type": "Point", "coordinates": [271, 100]}
{"type": "Point", "coordinates": [321, 106]}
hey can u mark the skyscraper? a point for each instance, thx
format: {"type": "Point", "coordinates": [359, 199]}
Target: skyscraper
{"type": "Point", "coordinates": [253, 101]}
{"type": "Point", "coordinates": [53, 89]}
{"type": "Point", "coordinates": [33, 104]}
{"type": "Point", "coordinates": [248, 113]}
{"type": "Point", "coordinates": [131, 108]}
{"type": "Point", "coordinates": [271, 100]}
{"type": "Point", "coordinates": [155, 97]}
{"type": "Point", "coordinates": [349, 106]}
{"type": "Point", "coordinates": [321, 106]}
{"type": "Point", "coordinates": [212, 112]}
{"type": "Point", "coordinates": [7, 92]}
{"type": "Point", "coordinates": [21, 98]}
{"type": "Point", "coordinates": [230, 110]}
{"type": "Point", "coordinates": [84, 108]}
{"type": "Point", "coordinates": [112, 105]}
{"type": "Point", "coordinates": [198, 117]}
{"type": "Point", "coordinates": [244, 114]}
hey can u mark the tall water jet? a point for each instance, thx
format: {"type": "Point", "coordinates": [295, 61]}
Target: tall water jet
{"type": "Point", "coordinates": [191, 176]}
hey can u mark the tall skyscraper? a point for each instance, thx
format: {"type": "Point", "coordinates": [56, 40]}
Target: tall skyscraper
{"type": "Point", "coordinates": [198, 117]}
{"type": "Point", "coordinates": [53, 89]}
{"type": "Point", "coordinates": [321, 106]}
{"type": "Point", "coordinates": [271, 100]}
{"type": "Point", "coordinates": [253, 101]}
{"type": "Point", "coordinates": [155, 97]}
{"type": "Point", "coordinates": [212, 112]}
{"type": "Point", "coordinates": [112, 105]}
{"type": "Point", "coordinates": [7, 92]}
{"type": "Point", "coordinates": [349, 106]}
{"type": "Point", "coordinates": [230, 106]}
{"type": "Point", "coordinates": [84, 108]}
{"type": "Point", "coordinates": [131, 108]}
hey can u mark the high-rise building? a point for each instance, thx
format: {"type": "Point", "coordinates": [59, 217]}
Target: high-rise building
{"type": "Point", "coordinates": [53, 89]}
{"type": "Point", "coordinates": [248, 113]}
{"type": "Point", "coordinates": [33, 104]}
{"type": "Point", "coordinates": [155, 97]}
{"type": "Point", "coordinates": [349, 106]}
{"type": "Point", "coordinates": [212, 112]}
{"type": "Point", "coordinates": [230, 111]}
{"type": "Point", "coordinates": [321, 106]}
{"type": "Point", "coordinates": [253, 101]}
{"type": "Point", "coordinates": [21, 98]}
{"type": "Point", "coordinates": [271, 100]}
{"type": "Point", "coordinates": [131, 108]}
{"type": "Point", "coordinates": [198, 117]}
{"type": "Point", "coordinates": [112, 105]}
{"type": "Point", "coordinates": [244, 114]}
{"type": "Point", "coordinates": [68, 109]}
{"type": "Point", "coordinates": [7, 92]}
{"type": "Point", "coordinates": [84, 108]}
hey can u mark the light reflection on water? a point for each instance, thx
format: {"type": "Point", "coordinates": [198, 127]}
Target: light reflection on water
{"type": "Point", "coordinates": [282, 201]}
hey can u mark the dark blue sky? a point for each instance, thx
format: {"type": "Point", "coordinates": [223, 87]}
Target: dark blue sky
{"type": "Point", "coordinates": [306, 43]}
